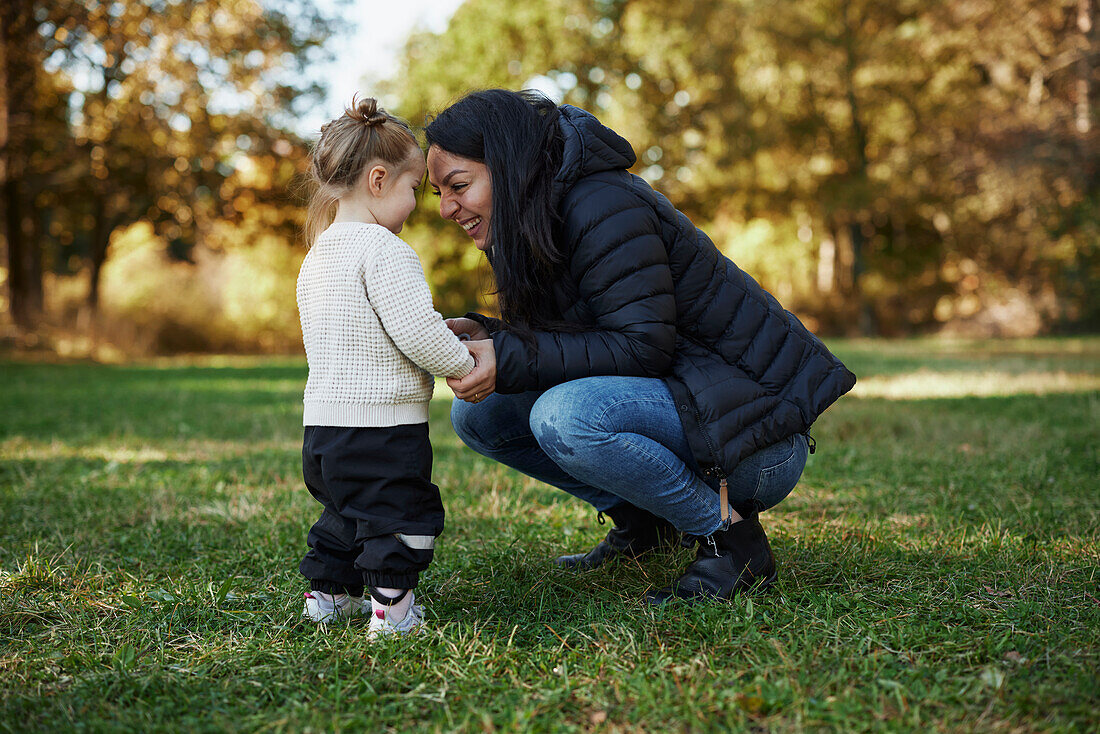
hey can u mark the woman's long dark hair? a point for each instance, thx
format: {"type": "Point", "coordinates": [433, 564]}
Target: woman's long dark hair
{"type": "Point", "coordinates": [516, 136]}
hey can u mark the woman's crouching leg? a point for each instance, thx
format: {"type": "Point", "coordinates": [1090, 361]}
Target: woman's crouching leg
{"type": "Point", "coordinates": [622, 435]}
{"type": "Point", "coordinates": [499, 427]}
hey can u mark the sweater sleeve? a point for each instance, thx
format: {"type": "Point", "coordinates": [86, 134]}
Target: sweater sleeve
{"type": "Point", "coordinates": [619, 264]}
{"type": "Point", "coordinates": [400, 296]}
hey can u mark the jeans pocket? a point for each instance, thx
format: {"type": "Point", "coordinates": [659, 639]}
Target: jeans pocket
{"type": "Point", "coordinates": [777, 481]}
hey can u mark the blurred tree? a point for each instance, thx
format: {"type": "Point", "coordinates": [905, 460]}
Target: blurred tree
{"type": "Point", "coordinates": [19, 59]}
{"type": "Point", "coordinates": [170, 98]}
{"type": "Point", "coordinates": [1020, 155]}
{"type": "Point", "coordinates": [851, 124]}
{"type": "Point", "coordinates": [879, 165]}
{"type": "Point", "coordinates": [927, 157]}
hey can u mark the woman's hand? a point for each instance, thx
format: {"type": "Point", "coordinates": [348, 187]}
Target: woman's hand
{"type": "Point", "coordinates": [482, 381]}
{"type": "Point", "coordinates": [469, 327]}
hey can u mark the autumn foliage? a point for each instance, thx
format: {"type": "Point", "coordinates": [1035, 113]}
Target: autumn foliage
{"type": "Point", "coordinates": [882, 167]}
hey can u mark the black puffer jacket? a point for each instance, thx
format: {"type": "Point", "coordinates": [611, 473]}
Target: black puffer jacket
{"type": "Point", "coordinates": [666, 303]}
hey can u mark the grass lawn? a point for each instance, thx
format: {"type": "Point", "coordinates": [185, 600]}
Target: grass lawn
{"type": "Point", "coordinates": [939, 567]}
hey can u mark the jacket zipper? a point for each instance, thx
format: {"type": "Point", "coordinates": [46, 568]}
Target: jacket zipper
{"type": "Point", "coordinates": [716, 471]}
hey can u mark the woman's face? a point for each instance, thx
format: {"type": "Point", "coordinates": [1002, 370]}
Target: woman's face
{"type": "Point", "coordinates": [464, 190]}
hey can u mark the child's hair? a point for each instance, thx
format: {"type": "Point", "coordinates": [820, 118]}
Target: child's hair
{"type": "Point", "coordinates": [365, 133]}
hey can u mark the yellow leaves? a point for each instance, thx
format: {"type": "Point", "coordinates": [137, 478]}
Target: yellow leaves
{"type": "Point", "coordinates": [243, 201]}
{"type": "Point", "coordinates": [167, 203]}
{"type": "Point", "coordinates": [98, 158]}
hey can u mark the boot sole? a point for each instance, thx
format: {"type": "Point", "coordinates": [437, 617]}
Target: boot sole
{"type": "Point", "coordinates": [666, 595]}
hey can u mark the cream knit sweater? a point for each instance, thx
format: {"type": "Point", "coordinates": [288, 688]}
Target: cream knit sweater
{"type": "Point", "coordinates": [373, 339]}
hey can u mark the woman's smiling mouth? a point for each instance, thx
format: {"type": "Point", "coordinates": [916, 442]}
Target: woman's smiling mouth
{"type": "Point", "coordinates": [469, 225]}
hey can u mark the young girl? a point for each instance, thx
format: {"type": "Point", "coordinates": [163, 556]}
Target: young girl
{"type": "Point", "coordinates": [373, 342]}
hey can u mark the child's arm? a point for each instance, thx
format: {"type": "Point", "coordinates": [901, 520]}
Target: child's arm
{"type": "Point", "coordinates": [400, 296]}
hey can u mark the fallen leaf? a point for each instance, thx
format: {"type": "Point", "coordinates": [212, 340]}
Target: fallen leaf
{"type": "Point", "coordinates": [993, 677]}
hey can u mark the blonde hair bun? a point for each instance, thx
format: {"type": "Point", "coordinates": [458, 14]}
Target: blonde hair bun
{"type": "Point", "coordinates": [363, 134]}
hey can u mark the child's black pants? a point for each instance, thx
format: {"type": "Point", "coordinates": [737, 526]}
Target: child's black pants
{"type": "Point", "coordinates": [374, 484]}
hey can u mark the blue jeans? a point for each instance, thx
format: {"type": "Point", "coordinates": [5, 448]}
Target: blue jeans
{"type": "Point", "coordinates": [609, 439]}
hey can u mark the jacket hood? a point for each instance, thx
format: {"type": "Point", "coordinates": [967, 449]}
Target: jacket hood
{"type": "Point", "coordinates": [589, 147]}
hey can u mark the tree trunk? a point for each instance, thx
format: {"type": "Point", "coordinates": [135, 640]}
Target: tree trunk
{"type": "Point", "coordinates": [844, 258]}
{"type": "Point", "coordinates": [24, 262]}
{"type": "Point", "coordinates": [103, 221]}
{"type": "Point", "coordinates": [1084, 68]}
{"type": "Point", "coordinates": [17, 79]}
{"type": "Point", "coordinates": [865, 315]}
{"type": "Point", "coordinates": [826, 264]}
{"type": "Point", "coordinates": [101, 236]}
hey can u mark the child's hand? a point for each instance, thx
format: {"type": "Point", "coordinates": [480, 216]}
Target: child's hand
{"type": "Point", "coordinates": [471, 328]}
{"type": "Point", "coordinates": [482, 381]}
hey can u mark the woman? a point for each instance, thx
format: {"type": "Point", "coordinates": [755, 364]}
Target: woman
{"type": "Point", "coordinates": [634, 366]}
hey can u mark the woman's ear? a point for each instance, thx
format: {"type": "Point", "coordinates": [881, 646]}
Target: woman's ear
{"type": "Point", "coordinates": [376, 179]}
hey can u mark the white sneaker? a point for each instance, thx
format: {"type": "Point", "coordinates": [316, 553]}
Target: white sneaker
{"type": "Point", "coordinates": [322, 607]}
{"type": "Point", "coordinates": [381, 624]}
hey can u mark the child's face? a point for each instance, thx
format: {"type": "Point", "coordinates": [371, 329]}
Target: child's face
{"type": "Point", "coordinates": [399, 196]}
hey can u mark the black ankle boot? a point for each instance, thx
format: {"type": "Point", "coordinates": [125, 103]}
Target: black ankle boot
{"type": "Point", "coordinates": [636, 532]}
{"type": "Point", "coordinates": [730, 561]}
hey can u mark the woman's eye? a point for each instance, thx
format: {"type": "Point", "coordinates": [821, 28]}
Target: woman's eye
{"type": "Point", "coordinates": [458, 187]}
